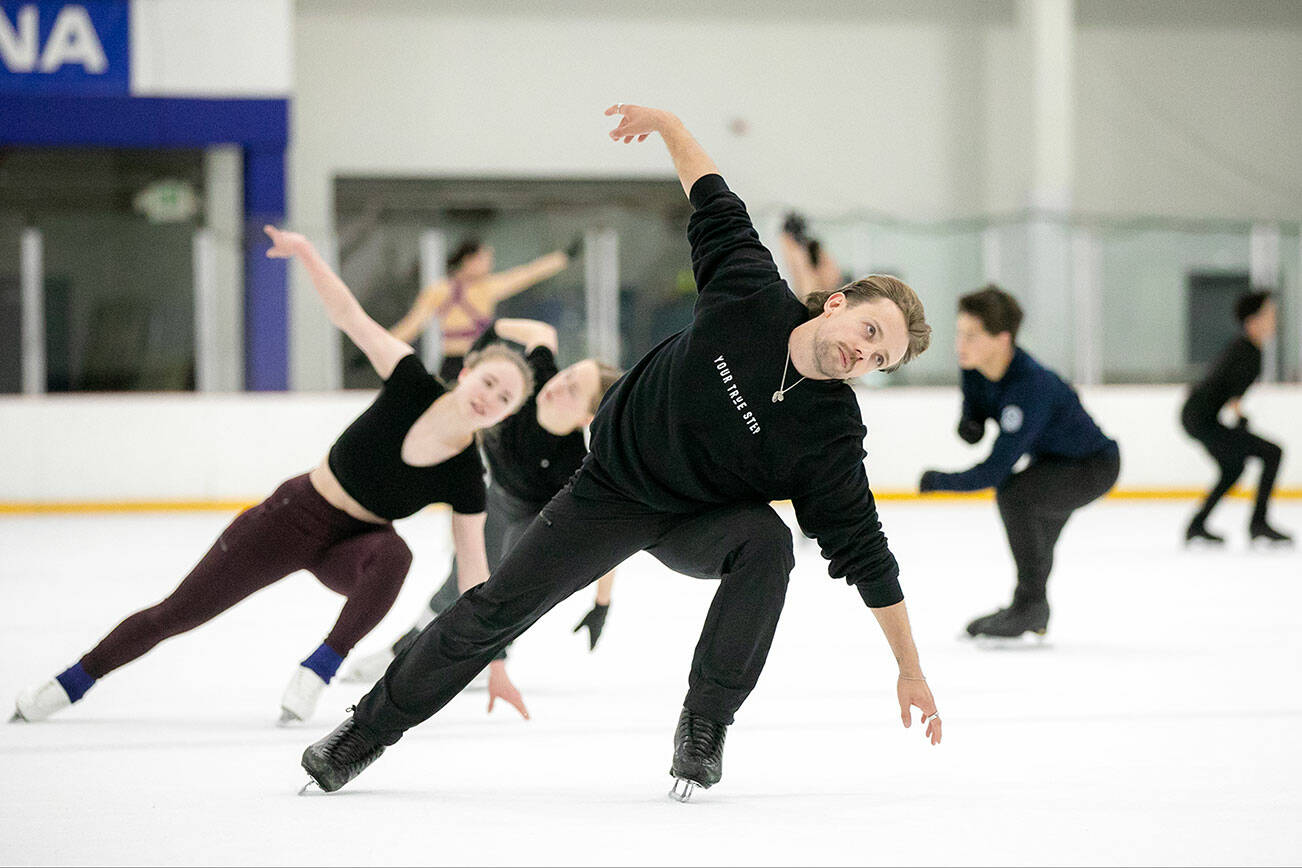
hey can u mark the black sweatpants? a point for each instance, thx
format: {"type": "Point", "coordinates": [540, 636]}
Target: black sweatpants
{"type": "Point", "coordinates": [1035, 505]}
{"type": "Point", "coordinates": [1230, 448]}
{"type": "Point", "coordinates": [573, 542]}
{"type": "Point", "coordinates": [506, 519]}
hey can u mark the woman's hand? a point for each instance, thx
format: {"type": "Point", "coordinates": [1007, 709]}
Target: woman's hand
{"type": "Point", "coordinates": [285, 245]}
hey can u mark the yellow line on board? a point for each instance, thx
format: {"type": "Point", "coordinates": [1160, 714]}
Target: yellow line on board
{"type": "Point", "coordinates": [98, 506]}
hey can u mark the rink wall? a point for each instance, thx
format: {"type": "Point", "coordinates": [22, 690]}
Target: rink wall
{"type": "Point", "coordinates": [219, 451]}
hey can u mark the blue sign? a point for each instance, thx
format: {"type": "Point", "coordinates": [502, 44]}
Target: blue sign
{"type": "Point", "coordinates": [59, 47]}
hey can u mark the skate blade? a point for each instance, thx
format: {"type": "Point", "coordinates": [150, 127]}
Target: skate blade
{"type": "Point", "coordinates": [682, 789]}
{"type": "Point", "coordinates": [1028, 641]}
{"type": "Point", "coordinates": [288, 718]}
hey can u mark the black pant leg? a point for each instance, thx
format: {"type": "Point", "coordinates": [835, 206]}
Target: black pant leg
{"type": "Point", "coordinates": [1271, 455]}
{"type": "Point", "coordinates": [748, 547]}
{"type": "Point", "coordinates": [574, 541]}
{"type": "Point", "coordinates": [1036, 504]}
{"type": "Point", "coordinates": [1227, 451]}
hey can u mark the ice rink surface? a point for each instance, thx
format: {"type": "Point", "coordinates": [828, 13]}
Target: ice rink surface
{"type": "Point", "coordinates": [1161, 723]}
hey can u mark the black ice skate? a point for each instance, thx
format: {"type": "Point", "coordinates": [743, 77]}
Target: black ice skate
{"type": "Point", "coordinates": [1197, 533]}
{"type": "Point", "coordinates": [698, 754]}
{"type": "Point", "coordinates": [340, 756]}
{"type": "Point", "coordinates": [1260, 531]}
{"type": "Point", "coordinates": [1013, 622]}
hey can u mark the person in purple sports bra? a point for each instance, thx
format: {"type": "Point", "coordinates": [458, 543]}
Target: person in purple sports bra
{"type": "Point", "coordinates": [415, 445]}
{"type": "Point", "coordinates": [464, 302]}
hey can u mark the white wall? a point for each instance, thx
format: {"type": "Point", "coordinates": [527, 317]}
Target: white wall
{"type": "Point", "coordinates": [211, 48]}
{"type": "Point", "coordinates": [70, 449]}
{"type": "Point", "coordinates": [913, 109]}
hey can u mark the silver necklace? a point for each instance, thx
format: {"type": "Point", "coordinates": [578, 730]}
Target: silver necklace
{"type": "Point", "coordinates": [784, 388]}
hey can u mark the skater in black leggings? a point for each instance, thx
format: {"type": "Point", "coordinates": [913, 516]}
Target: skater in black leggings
{"type": "Point", "coordinates": [412, 447]}
{"type": "Point", "coordinates": [747, 405]}
{"type": "Point", "coordinates": [1236, 369]}
{"type": "Point", "coordinates": [1072, 463]}
{"type": "Point", "coordinates": [531, 455]}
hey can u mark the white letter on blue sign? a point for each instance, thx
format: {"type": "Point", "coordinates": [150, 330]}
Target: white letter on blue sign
{"type": "Point", "coordinates": [74, 40]}
{"type": "Point", "coordinates": [18, 45]}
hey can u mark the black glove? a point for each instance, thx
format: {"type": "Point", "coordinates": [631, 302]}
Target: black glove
{"type": "Point", "coordinates": [575, 247]}
{"type": "Point", "coordinates": [929, 481]}
{"type": "Point", "coordinates": [971, 430]}
{"type": "Point", "coordinates": [795, 226]}
{"type": "Point", "coordinates": [594, 621]}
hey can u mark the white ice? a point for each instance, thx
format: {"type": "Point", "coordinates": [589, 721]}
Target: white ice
{"type": "Point", "coordinates": [1160, 725]}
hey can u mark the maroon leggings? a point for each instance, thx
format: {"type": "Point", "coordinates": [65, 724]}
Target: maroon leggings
{"type": "Point", "coordinates": [294, 529]}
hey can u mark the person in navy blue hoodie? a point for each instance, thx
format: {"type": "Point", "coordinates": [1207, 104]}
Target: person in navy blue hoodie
{"type": "Point", "coordinates": [1072, 463]}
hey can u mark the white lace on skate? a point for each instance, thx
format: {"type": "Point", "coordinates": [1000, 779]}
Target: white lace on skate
{"type": "Point", "coordinates": [38, 703]}
{"type": "Point", "coordinates": [301, 696]}
{"type": "Point", "coordinates": [368, 669]}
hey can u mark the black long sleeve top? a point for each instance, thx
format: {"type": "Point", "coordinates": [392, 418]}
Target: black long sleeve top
{"type": "Point", "coordinates": [693, 423]}
{"type": "Point", "coordinates": [1234, 371]}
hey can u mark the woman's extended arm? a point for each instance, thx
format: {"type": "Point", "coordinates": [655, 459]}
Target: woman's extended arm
{"type": "Point", "coordinates": [422, 311]}
{"type": "Point", "coordinates": [381, 348]}
{"type": "Point", "coordinates": [505, 284]}
{"type": "Point", "coordinates": [531, 333]}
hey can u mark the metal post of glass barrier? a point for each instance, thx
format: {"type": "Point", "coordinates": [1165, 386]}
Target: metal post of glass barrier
{"type": "Point", "coordinates": [206, 353]}
{"type": "Point", "coordinates": [32, 271]}
{"type": "Point", "coordinates": [332, 359]}
{"type": "Point", "coordinates": [1263, 273]}
{"type": "Point", "coordinates": [1086, 306]}
{"type": "Point", "coordinates": [433, 268]}
{"type": "Point", "coordinates": [601, 293]}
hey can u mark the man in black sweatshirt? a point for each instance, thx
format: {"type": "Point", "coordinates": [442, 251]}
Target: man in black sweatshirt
{"type": "Point", "coordinates": [1236, 369]}
{"type": "Point", "coordinates": [747, 405]}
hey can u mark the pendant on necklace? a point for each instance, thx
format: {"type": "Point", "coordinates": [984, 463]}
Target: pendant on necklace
{"type": "Point", "coordinates": [777, 396]}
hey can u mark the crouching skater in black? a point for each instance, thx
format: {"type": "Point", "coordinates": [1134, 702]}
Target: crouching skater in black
{"type": "Point", "coordinates": [1237, 368]}
{"type": "Point", "coordinates": [746, 405]}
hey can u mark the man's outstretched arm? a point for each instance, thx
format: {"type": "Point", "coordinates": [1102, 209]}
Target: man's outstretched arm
{"type": "Point", "coordinates": [911, 688]}
{"type": "Point", "coordinates": [690, 159]}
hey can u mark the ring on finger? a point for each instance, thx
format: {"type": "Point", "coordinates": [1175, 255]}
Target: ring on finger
{"type": "Point", "coordinates": [931, 717]}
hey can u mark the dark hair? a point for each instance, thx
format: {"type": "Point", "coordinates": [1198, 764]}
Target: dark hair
{"type": "Point", "coordinates": [883, 286]}
{"type": "Point", "coordinates": [464, 251]}
{"type": "Point", "coordinates": [997, 310]}
{"type": "Point", "coordinates": [606, 377]}
{"type": "Point", "coordinates": [505, 353]}
{"type": "Point", "coordinates": [1251, 303]}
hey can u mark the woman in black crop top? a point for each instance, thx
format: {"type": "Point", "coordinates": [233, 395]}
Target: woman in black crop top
{"type": "Point", "coordinates": [415, 445]}
{"type": "Point", "coordinates": [531, 456]}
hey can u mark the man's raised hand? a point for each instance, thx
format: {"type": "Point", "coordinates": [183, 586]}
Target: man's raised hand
{"type": "Point", "coordinates": [636, 122]}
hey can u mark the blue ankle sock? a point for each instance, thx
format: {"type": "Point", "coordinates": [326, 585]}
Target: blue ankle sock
{"type": "Point", "coordinates": [75, 681]}
{"type": "Point", "coordinates": [324, 661]}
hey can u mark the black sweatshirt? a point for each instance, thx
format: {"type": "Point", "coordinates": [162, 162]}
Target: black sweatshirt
{"type": "Point", "coordinates": [693, 424]}
{"type": "Point", "coordinates": [1239, 364]}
